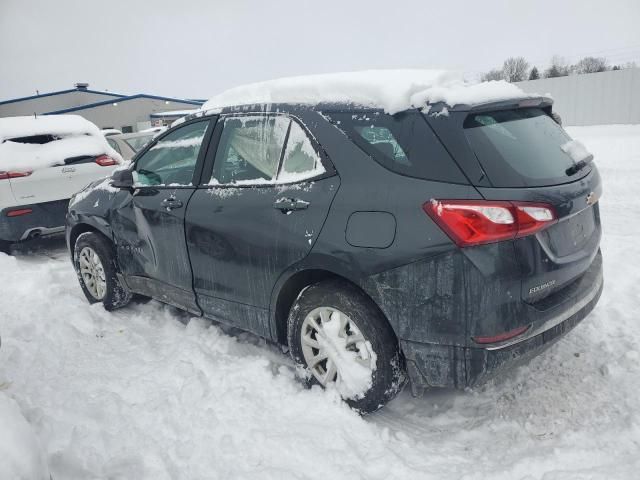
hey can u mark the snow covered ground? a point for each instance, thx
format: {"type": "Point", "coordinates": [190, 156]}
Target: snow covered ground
{"type": "Point", "coordinates": [144, 393]}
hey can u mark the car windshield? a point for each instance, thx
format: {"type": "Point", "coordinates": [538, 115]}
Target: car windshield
{"type": "Point", "coordinates": [138, 143]}
{"type": "Point", "coordinates": [521, 148]}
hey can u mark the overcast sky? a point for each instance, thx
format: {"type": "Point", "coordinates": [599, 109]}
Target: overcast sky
{"type": "Point", "coordinates": [194, 49]}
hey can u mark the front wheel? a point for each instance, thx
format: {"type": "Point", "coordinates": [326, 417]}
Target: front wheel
{"type": "Point", "coordinates": [96, 268]}
{"type": "Point", "coordinates": [344, 342]}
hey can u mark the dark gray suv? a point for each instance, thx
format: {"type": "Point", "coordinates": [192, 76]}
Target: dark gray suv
{"type": "Point", "coordinates": [437, 245]}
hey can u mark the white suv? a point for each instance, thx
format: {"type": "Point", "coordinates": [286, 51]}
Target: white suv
{"type": "Point", "coordinates": [43, 162]}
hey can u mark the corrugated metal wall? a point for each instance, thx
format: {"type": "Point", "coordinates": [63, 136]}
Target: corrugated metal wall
{"type": "Point", "coordinates": [594, 98]}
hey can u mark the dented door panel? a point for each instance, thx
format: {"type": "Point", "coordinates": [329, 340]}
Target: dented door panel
{"type": "Point", "coordinates": [151, 244]}
{"type": "Point", "coordinates": [240, 242]}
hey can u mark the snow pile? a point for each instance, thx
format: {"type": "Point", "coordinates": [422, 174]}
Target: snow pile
{"type": "Point", "coordinates": [20, 455]}
{"type": "Point", "coordinates": [74, 135]}
{"type": "Point", "coordinates": [138, 394]}
{"type": "Point", "coordinates": [391, 90]}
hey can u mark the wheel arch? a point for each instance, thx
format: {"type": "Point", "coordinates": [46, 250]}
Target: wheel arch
{"type": "Point", "coordinates": [80, 228]}
{"type": "Point", "coordinates": [292, 285]}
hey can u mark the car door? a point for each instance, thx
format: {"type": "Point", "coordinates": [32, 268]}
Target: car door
{"type": "Point", "coordinates": [148, 222]}
{"type": "Point", "coordinates": [263, 207]}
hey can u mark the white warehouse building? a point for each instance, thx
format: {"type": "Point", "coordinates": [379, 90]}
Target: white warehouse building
{"type": "Point", "coordinates": [128, 113]}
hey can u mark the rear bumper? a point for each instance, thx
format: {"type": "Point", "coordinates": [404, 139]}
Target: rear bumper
{"type": "Point", "coordinates": [431, 365]}
{"type": "Point", "coordinates": [48, 217]}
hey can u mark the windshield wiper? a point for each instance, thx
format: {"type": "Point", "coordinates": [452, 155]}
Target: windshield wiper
{"type": "Point", "coordinates": [576, 167]}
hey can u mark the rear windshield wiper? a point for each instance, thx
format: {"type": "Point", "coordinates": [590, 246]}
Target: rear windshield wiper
{"type": "Point", "coordinates": [576, 167]}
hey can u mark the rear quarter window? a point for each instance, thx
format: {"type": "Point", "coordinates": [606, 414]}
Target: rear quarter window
{"type": "Point", "coordinates": [403, 143]}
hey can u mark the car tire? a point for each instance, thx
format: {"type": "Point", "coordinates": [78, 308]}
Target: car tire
{"type": "Point", "coordinates": [94, 259]}
{"type": "Point", "coordinates": [5, 247]}
{"type": "Point", "coordinates": [365, 320]}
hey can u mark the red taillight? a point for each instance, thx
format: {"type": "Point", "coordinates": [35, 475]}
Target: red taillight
{"type": "Point", "coordinates": [501, 337]}
{"type": "Point", "coordinates": [17, 213]}
{"type": "Point", "coordinates": [4, 175]}
{"type": "Point", "coordinates": [105, 161]}
{"type": "Point", "coordinates": [476, 222]}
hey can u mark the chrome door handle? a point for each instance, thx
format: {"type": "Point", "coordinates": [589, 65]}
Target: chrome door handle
{"type": "Point", "coordinates": [289, 204]}
{"type": "Point", "coordinates": [171, 203]}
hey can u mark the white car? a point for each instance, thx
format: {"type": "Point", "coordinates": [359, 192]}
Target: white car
{"type": "Point", "coordinates": [128, 144]}
{"type": "Point", "coordinates": [43, 161]}
{"type": "Point", "coordinates": [110, 131]}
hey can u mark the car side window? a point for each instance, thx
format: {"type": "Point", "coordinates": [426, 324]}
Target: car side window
{"type": "Point", "coordinates": [114, 145]}
{"type": "Point", "coordinates": [172, 160]}
{"type": "Point", "coordinates": [250, 149]}
{"type": "Point", "coordinates": [300, 160]}
{"type": "Point", "coordinates": [384, 142]}
{"type": "Point", "coordinates": [403, 143]}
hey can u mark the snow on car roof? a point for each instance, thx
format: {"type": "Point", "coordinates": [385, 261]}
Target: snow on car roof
{"type": "Point", "coordinates": [59, 125]}
{"type": "Point", "coordinates": [74, 137]}
{"type": "Point", "coordinates": [391, 90]}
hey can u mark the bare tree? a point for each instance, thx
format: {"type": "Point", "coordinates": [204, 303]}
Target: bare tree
{"type": "Point", "coordinates": [515, 69]}
{"type": "Point", "coordinates": [591, 65]}
{"type": "Point", "coordinates": [494, 74]}
{"type": "Point", "coordinates": [558, 68]}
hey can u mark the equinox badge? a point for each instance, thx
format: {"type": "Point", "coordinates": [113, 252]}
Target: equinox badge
{"type": "Point", "coordinates": [544, 286]}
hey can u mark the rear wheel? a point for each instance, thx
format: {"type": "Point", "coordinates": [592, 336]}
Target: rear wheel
{"type": "Point", "coordinates": [343, 341]}
{"type": "Point", "coordinates": [96, 268]}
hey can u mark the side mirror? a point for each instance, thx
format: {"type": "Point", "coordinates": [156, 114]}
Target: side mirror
{"type": "Point", "coordinates": [122, 179]}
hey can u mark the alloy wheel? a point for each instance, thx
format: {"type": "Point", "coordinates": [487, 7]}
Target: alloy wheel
{"type": "Point", "coordinates": [336, 351]}
{"type": "Point", "coordinates": [92, 273]}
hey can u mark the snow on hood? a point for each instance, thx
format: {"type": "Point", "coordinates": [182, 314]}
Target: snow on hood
{"type": "Point", "coordinates": [59, 125]}
{"type": "Point", "coordinates": [77, 137]}
{"type": "Point", "coordinates": [391, 90]}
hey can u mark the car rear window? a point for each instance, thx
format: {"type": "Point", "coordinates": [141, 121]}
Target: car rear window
{"type": "Point", "coordinates": [35, 139]}
{"type": "Point", "coordinates": [137, 143]}
{"type": "Point", "coordinates": [521, 148]}
{"type": "Point", "coordinates": [403, 143]}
